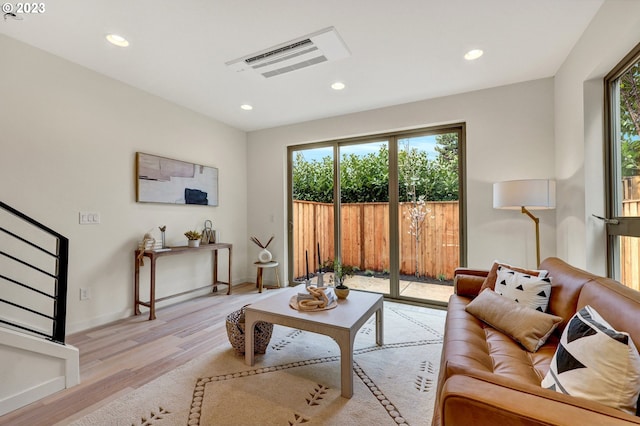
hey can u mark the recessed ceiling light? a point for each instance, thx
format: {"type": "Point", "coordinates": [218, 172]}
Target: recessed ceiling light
{"type": "Point", "coordinates": [246, 107]}
{"type": "Point", "coordinates": [117, 40]}
{"type": "Point", "coordinates": [473, 54]}
{"type": "Point", "coordinates": [338, 85]}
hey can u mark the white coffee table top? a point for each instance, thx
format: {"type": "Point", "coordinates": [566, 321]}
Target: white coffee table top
{"type": "Point", "coordinates": [348, 312]}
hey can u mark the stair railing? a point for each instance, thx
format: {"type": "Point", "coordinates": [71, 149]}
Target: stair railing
{"type": "Point", "coordinates": [60, 277]}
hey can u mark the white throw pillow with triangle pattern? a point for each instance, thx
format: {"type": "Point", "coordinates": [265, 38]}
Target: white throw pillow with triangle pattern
{"type": "Point", "coordinates": [528, 290]}
{"type": "Point", "coordinates": [596, 362]}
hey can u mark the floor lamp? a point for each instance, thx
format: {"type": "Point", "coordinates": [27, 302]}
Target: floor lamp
{"type": "Point", "coordinates": [526, 195]}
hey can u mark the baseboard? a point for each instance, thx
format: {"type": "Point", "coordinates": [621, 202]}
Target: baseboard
{"type": "Point", "coordinates": [33, 394]}
{"type": "Point", "coordinates": [90, 323]}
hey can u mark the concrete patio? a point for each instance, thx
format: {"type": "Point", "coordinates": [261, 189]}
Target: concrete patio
{"type": "Point", "coordinates": [414, 289]}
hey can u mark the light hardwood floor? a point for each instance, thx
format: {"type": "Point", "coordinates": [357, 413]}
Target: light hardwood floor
{"type": "Point", "coordinates": [129, 353]}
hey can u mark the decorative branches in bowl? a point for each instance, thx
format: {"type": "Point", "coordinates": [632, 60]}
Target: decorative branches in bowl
{"type": "Point", "coordinates": [259, 244]}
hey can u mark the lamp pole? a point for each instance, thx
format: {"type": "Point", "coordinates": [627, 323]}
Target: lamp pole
{"type": "Point", "coordinates": [537, 221]}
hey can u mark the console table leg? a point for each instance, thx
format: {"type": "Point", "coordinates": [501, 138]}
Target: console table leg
{"type": "Point", "coordinates": [229, 286]}
{"type": "Point", "coordinates": [152, 291]}
{"type": "Point", "coordinates": [136, 284]}
{"type": "Point", "coordinates": [215, 271]}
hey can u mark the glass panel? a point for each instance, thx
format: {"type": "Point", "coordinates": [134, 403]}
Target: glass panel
{"type": "Point", "coordinates": [428, 215]}
{"type": "Point", "coordinates": [624, 114]}
{"type": "Point", "coordinates": [364, 214]}
{"type": "Point", "coordinates": [628, 141]}
{"type": "Point", "coordinates": [629, 249]}
{"type": "Point", "coordinates": [312, 189]}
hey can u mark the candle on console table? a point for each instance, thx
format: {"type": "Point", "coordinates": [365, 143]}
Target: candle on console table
{"type": "Point", "coordinates": [319, 259]}
{"type": "Point", "coordinates": [306, 255]}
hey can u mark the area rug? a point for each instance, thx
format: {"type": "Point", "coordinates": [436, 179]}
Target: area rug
{"type": "Point", "coordinates": [298, 381]}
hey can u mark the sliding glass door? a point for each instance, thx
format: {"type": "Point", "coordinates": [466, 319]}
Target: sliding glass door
{"type": "Point", "coordinates": [399, 215]}
{"type": "Point", "coordinates": [429, 213]}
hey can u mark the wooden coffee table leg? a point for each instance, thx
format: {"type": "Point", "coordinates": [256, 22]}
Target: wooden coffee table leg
{"type": "Point", "coordinates": [380, 326]}
{"type": "Point", "coordinates": [249, 329]}
{"type": "Point", "coordinates": [345, 342]}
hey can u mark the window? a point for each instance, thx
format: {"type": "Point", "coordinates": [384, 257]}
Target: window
{"type": "Point", "coordinates": [622, 98]}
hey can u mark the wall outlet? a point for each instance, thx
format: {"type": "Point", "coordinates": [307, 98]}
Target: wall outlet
{"type": "Point", "coordinates": [89, 218]}
{"type": "Point", "coordinates": [85, 294]}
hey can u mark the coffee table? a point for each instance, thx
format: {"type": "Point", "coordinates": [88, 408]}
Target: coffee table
{"type": "Point", "coordinates": [341, 323]}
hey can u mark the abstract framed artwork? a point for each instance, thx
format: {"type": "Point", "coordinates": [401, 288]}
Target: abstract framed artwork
{"type": "Point", "coordinates": [163, 180]}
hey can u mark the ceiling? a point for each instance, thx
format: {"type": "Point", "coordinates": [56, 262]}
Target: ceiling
{"type": "Point", "coordinates": [401, 51]}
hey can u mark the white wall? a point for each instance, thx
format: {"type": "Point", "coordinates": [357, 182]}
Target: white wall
{"type": "Point", "coordinates": [509, 136]}
{"type": "Point", "coordinates": [614, 31]}
{"type": "Point", "coordinates": [68, 140]}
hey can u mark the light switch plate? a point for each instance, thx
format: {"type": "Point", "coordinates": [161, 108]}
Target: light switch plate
{"type": "Point", "coordinates": [89, 218]}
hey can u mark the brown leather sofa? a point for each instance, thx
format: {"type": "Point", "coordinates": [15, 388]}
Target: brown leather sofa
{"type": "Point", "coordinates": [486, 378]}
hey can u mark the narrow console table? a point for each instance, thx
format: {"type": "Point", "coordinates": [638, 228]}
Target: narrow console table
{"type": "Point", "coordinates": [154, 255]}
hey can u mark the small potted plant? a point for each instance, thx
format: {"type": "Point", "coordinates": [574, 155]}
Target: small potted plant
{"type": "Point", "coordinates": [340, 272]}
{"type": "Point", "coordinates": [193, 237]}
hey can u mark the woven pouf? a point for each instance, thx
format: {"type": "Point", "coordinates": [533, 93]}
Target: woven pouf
{"type": "Point", "coordinates": [235, 332]}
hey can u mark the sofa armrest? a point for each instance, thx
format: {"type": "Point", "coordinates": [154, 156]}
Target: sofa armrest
{"type": "Point", "coordinates": [467, 282]}
{"type": "Point", "coordinates": [469, 400]}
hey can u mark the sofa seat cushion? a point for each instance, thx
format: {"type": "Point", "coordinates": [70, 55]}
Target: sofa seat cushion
{"type": "Point", "coordinates": [471, 345]}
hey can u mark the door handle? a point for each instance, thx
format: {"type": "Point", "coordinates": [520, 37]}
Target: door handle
{"type": "Point", "coordinates": [607, 220]}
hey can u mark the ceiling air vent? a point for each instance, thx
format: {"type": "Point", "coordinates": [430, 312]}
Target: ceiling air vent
{"type": "Point", "coordinates": [321, 46]}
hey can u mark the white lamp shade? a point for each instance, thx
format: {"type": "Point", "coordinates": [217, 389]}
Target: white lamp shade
{"type": "Point", "coordinates": [534, 194]}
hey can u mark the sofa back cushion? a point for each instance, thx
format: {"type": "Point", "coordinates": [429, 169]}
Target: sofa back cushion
{"type": "Point", "coordinates": [617, 304]}
{"type": "Point", "coordinates": [566, 284]}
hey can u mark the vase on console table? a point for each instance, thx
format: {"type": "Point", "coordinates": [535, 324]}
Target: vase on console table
{"type": "Point", "coordinates": [193, 243]}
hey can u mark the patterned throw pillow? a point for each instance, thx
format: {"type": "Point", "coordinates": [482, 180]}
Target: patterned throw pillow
{"type": "Point", "coordinates": [490, 280]}
{"type": "Point", "coordinates": [529, 290]}
{"type": "Point", "coordinates": [596, 362]}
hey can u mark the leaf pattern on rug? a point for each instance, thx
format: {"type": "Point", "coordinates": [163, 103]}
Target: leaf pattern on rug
{"type": "Point", "coordinates": [427, 366]}
{"type": "Point", "coordinates": [280, 345]}
{"type": "Point", "coordinates": [298, 419]}
{"type": "Point", "coordinates": [317, 394]}
{"type": "Point", "coordinates": [144, 421]}
{"type": "Point", "coordinates": [425, 383]}
{"type": "Point", "coordinates": [366, 329]}
{"type": "Point", "coordinates": [284, 342]}
{"type": "Point", "coordinates": [295, 333]}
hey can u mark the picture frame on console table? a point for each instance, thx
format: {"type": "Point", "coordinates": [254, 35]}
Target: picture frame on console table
{"type": "Point", "coordinates": [168, 181]}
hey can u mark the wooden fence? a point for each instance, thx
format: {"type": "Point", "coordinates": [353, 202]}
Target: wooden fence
{"type": "Point", "coordinates": [630, 249]}
{"type": "Point", "coordinates": [365, 237]}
